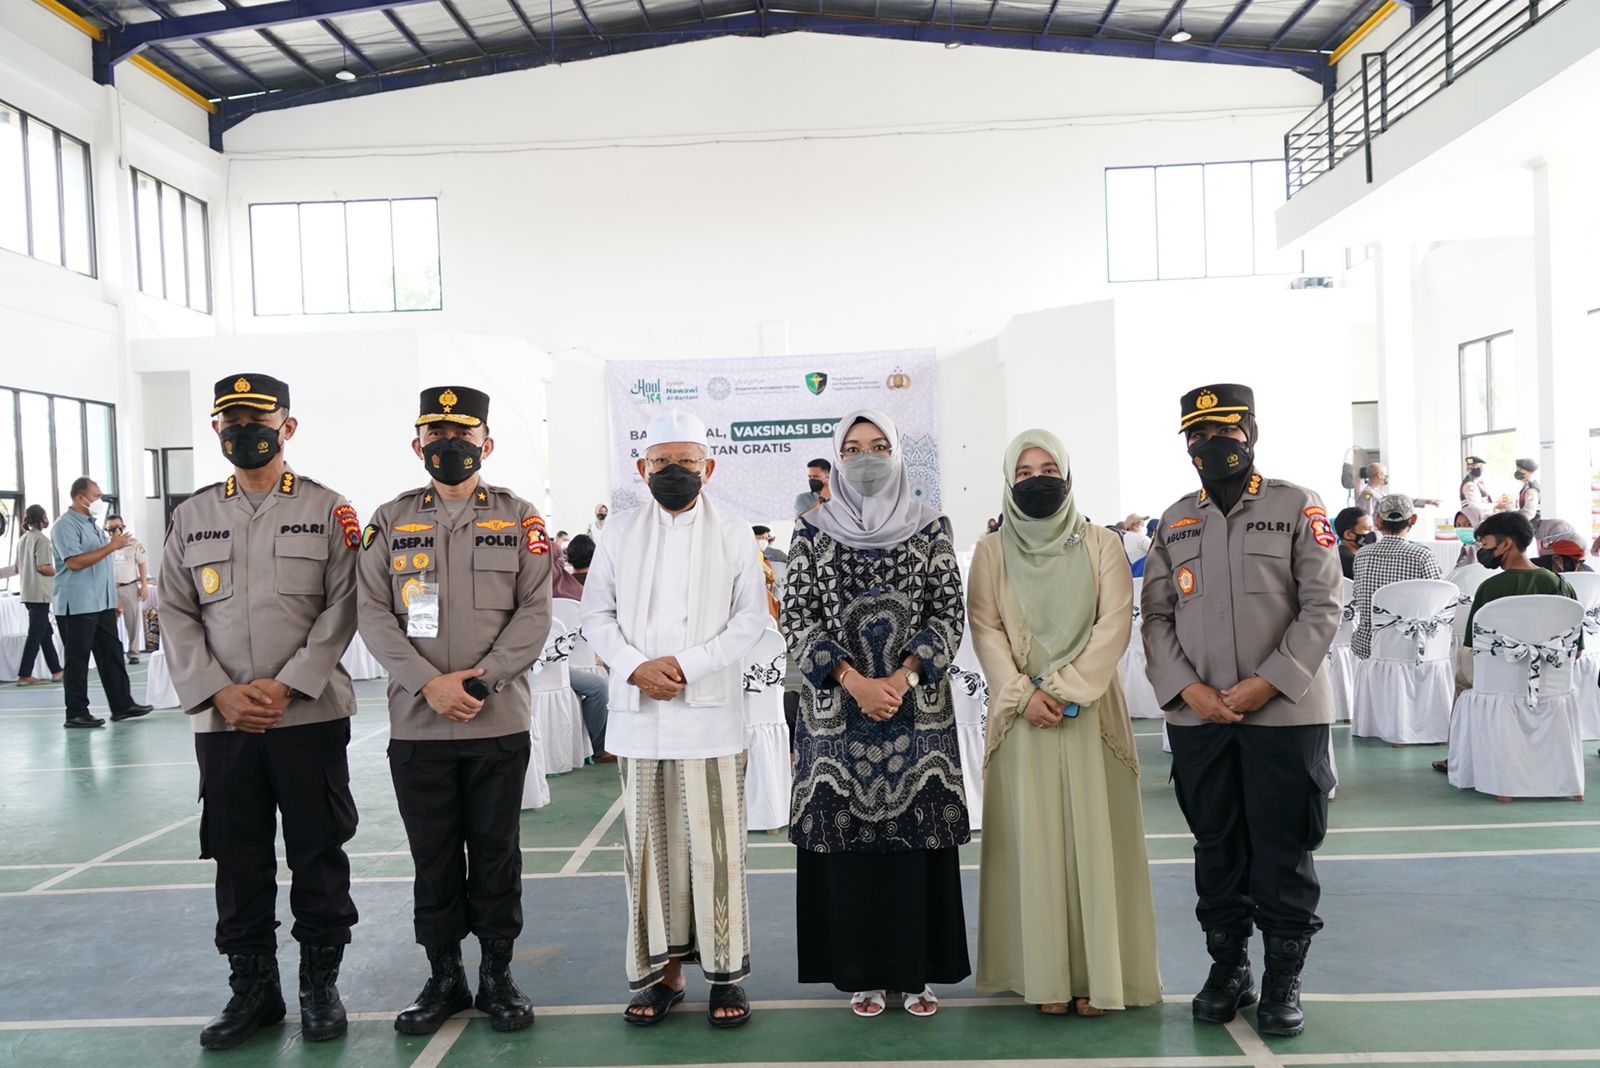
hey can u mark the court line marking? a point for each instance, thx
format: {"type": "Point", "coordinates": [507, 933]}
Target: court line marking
{"type": "Point", "coordinates": [438, 1047]}
{"type": "Point", "coordinates": [1245, 1037]}
{"type": "Point", "coordinates": [587, 846]}
{"type": "Point", "coordinates": [109, 854]}
{"type": "Point", "coordinates": [1537, 1056]}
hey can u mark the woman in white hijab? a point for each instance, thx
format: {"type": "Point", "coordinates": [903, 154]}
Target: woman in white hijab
{"type": "Point", "coordinates": [1066, 917]}
{"type": "Point", "coordinates": [873, 617]}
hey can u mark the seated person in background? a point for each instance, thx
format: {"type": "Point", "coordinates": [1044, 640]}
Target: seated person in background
{"type": "Point", "coordinates": [1354, 529]}
{"type": "Point", "coordinates": [562, 537]}
{"type": "Point", "coordinates": [769, 550]}
{"type": "Point", "coordinates": [1392, 558]}
{"type": "Point", "coordinates": [580, 551]}
{"type": "Point", "coordinates": [569, 570]}
{"type": "Point", "coordinates": [562, 584]}
{"type": "Point", "coordinates": [1563, 553]}
{"type": "Point", "coordinates": [1503, 540]}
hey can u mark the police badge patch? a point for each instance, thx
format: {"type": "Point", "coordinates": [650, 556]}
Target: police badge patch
{"type": "Point", "coordinates": [538, 539]}
{"type": "Point", "coordinates": [368, 536]}
{"type": "Point", "coordinates": [1321, 529]}
{"type": "Point", "coordinates": [346, 515]}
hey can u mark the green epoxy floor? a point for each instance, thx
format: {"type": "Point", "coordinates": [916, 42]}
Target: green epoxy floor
{"type": "Point", "coordinates": [1459, 929]}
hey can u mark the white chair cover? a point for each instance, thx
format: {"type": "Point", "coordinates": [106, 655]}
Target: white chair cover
{"type": "Point", "coordinates": [570, 614]}
{"type": "Point", "coordinates": [359, 662]}
{"type": "Point", "coordinates": [11, 646]}
{"type": "Point", "coordinates": [1404, 690]}
{"type": "Point", "coordinates": [1515, 733]}
{"type": "Point", "coordinates": [969, 691]}
{"type": "Point", "coordinates": [1467, 579]}
{"type": "Point", "coordinates": [1342, 659]}
{"type": "Point", "coordinates": [555, 707]}
{"type": "Point", "coordinates": [1136, 688]}
{"type": "Point", "coordinates": [13, 616]}
{"type": "Point", "coordinates": [1587, 586]}
{"type": "Point", "coordinates": [535, 790]}
{"type": "Point", "coordinates": [158, 689]}
{"type": "Point", "coordinates": [768, 775]}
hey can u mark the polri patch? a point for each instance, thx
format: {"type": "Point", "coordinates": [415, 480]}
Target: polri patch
{"type": "Point", "coordinates": [346, 515]}
{"type": "Point", "coordinates": [1188, 582]}
{"type": "Point", "coordinates": [1321, 529]}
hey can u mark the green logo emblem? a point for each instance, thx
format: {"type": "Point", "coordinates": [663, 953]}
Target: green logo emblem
{"type": "Point", "coordinates": [816, 382]}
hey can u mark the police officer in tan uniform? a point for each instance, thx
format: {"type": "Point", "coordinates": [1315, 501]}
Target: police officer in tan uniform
{"type": "Point", "coordinates": [455, 603]}
{"type": "Point", "coordinates": [1242, 592]}
{"type": "Point", "coordinates": [258, 602]}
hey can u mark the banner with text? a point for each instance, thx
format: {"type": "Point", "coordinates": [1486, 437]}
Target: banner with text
{"type": "Point", "coordinates": [767, 416]}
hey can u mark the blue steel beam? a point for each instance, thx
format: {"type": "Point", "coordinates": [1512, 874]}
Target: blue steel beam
{"type": "Point", "coordinates": [1049, 16]}
{"type": "Point", "coordinates": [284, 50]}
{"type": "Point", "coordinates": [644, 13]}
{"type": "Point", "coordinates": [347, 44]}
{"type": "Point", "coordinates": [461, 24]}
{"type": "Point", "coordinates": [1351, 21]}
{"type": "Point", "coordinates": [208, 48]}
{"type": "Point", "coordinates": [1310, 64]}
{"type": "Point", "coordinates": [133, 37]}
{"type": "Point", "coordinates": [527, 23]}
{"type": "Point", "coordinates": [584, 15]}
{"type": "Point", "coordinates": [1293, 21]}
{"type": "Point", "coordinates": [1105, 18]}
{"type": "Point", "coordinates": [1227, 23]}
{"type": "Point", "coordinates": [1177, 9]}
{"type": "Point", "coordinates": [405, 31]}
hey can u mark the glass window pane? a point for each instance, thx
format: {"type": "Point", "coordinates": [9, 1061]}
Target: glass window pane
{"type": "Point", "coordinates": [1474, 389]}
{"type": "Point", "coordinates": [180, 471]}
{"type": "Point", "coordinates": [43, 198]}
{"type": "Point", "coordinates": [1502, 382]}
{"type": "Point", "coordinates": [1230, 221]}
{"type": "Point", "coordinates": [152, 483]}
{"type": "Point", "coordinates": [38, 481]}
{"type": "Point", "coordinates": [13, 198]}
{"type": "Point", "coordinates": [416, 255]}
{"type": "Point", "coordinates": [1130, 224]}
{"type": "Point", "coordinates": [75, 198]}
{"type": "Point", "coordinates": [1181, 222]}
{"type": "Point", "coordinates": [69, 448]}
{"type": "Point", "coordinates": [1269, 196]}
{"type": "Point", "coordinates": [101, 461]}
{"type": "Point", "coordinates": [322, 251]}
{"type": "Point", "coordinates": [147, 217]}
{"type": "Point", "coordinates": [194, 213]}
{"type": "Point", "coordinates": [371, 256]}
{"type": "Point", "coordinates": [275, 258]}
{"type": "Point", "coordinates": [8, 439]}
{"type": "Point", "coordinates": [172, 243]}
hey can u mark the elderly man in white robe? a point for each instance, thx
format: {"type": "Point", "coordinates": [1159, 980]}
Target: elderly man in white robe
{"type": "Point", "coordinates": [675, 602]}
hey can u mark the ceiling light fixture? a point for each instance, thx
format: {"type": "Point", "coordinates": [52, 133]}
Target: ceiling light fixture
{"type": "Point", "coordinates": [1182, 36]}
{"type": "Point", "coordinates": [344, 73]}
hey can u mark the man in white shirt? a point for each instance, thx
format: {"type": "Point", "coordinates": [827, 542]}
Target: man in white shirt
{"type": "Point", "coordinates": [131, 568]}
{"type": "Point", "coordinates": [675, 603]}
{"type": "Point", "coordinates": [1134, 541]}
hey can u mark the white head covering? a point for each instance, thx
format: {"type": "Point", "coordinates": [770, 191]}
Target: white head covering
{"type": "Point", "coordinates": [883, 520]}
{"type": "Point", "coordinates": [672, 427]}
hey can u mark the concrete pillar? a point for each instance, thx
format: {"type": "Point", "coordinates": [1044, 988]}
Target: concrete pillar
{"type": "Point", "coordinates": [1397, 376]}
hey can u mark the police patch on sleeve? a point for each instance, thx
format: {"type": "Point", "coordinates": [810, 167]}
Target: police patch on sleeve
{"type": "Point", "coordinates": [1321, 528]}
{"type": "Point", "coordinates": [369, 535]}
{"type": "Point", "coordinates": [346, 515]}
{"type": "Point", "coordinates": [538, 539]}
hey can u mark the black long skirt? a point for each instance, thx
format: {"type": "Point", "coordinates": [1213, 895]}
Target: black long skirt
{"type": "Point", "coordinates": [881, 921]}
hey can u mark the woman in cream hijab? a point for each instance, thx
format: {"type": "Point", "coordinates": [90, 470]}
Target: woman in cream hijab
{"type": "Point", "coordinates": [1066, 917]}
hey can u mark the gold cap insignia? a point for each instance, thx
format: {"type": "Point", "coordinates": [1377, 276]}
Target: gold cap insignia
{"type": "Point", "coordinates": [241, 385]}
{"type": "Point", "coordinates": [448, 399]}
{"type": "Point", "coordinates": [1206, 400]}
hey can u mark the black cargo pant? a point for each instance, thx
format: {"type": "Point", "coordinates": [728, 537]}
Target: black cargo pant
{"type": "Point", "coordinates": [86, 634]}
{"type": "Point", "coordinates": [461, 802]}
{"type": "Point", "coordinates": [1256, 799]}
{"type": "Point", "coordinates": [245, 781]}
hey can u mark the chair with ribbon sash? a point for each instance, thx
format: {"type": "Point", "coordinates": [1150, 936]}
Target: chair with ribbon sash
{"type": "Point", "coordinates": [1342, 660]}
{"type": "Point", "coordinates": [969, 692]}
{"type": "Point", "coordinates": [570, 614]}
{"type": "Point", "coordinates": [359, 662]}
{"type": "Point", "coordinates": [1136, 688]}
{"type": "Point", "coordinates": [769, 774]}
{"type": "Point", "coordinates": [555, 706]}
{"type": "Point", "coordinates": [1515, 733]}
{"type": "Point", "coordinates": [1586, 584]}
{"type": "Point", "coordinates": [1466, 578]}
{"type": "Point", "coordinates": [1404, 690]}
{"type": "Point", "coordinates": [159, 692]}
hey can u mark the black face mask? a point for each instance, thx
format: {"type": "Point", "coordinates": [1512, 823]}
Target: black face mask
{"type": "Point", "coordinates": [1041, 496]}
{"type": "Point", "coordinates": [250, 445]}
{"type": "Point", "coordinates": [1220, 458]}
{"type": "Point", "coordinates": [1368, 538]}
{"type": "Point", "coordinates": [451, 461]}
{"type": "Point", "coordinates": [815, 484]}
{"type": "Point", "coordinates": [674, 487]}
{"type": "Point", "coordinates": [1475, 472]}
{"type": "Point", "coordinates": [1488, 559]}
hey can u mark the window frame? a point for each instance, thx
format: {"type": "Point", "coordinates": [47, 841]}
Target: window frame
{"type": "Point", "coordinates": [1155, 169]}
{"type": "Point", "coordinates": [184, 199]}
{"type": "Point", "coordinates": [1473, 443]}
{"type": "Point", "coordinates": [52, 497]}
{"type": "Point", "coordinates": [27, 119]}
{"type": "Point", "coordinates": [255, 301]}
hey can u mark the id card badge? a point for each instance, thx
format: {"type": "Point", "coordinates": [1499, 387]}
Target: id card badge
{"type": "Point", "coordinates": [422, 610]}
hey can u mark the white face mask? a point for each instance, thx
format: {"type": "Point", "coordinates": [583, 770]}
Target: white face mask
{"type": "Point", "coordinates": [98, 510]}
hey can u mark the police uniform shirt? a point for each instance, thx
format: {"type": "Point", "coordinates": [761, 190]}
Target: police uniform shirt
{"type": "Point", "coordinates": [490, 566]}
{"type": "Point", "coordinates": [1255, 592]}
{"type": "Point", "coordinates": [261, 592]}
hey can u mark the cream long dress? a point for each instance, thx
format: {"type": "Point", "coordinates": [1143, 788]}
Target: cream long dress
{"type": "Point", "coordinates": [1065, 907]}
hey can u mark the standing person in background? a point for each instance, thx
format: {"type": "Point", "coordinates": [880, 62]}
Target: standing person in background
{"type": "Point", "coordinates": [36, 571]}
{"type": "Point", "coordinates": [1375, 486]}
{"type": "Point", "coordinates": [1529, 498]}
{"type": "Point", "coordinates": [1241, 601]}
{"type": "Point", "coordinates": [601, 513]}
{"type": "Point", "coordinates": [259, 605]}
{"type": "Point", "coordinates": [819, 474]}
{"type": "Point", "coordinates": [454, 600]}
{"type": "Point", "coordinates": [133, 583]}
{"type": "Point", "coordinates": [1475, 499]}
{"type": "Point", "coordinates": [86, 608]}
{"type": "Point", "coordinates": [1134, 542]}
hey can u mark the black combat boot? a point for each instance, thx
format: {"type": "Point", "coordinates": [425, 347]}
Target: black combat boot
{"type": "Point", "coordinates": [444, 995]}
{"type": "Point", "coordinates": [1230, 986]}
{"type": "Point", "coordinates": [321, 1012]}
{"type": "Point", "coordinates": [257, 1000]}
{"type": "Point", "coordinates": [499, 999]}
{"type": "Point", "coordinates": [1279, 1012]}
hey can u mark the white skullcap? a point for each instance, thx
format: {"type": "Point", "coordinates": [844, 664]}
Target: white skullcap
{"type": "Point", "coordinates": [671, 427]}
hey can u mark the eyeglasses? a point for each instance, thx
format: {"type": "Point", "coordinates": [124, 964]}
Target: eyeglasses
{"type": "Point", "coordinates": [661, 463]}
{"type": "Point", "coordinates": [852, 451]}
{"type": "Point", "coordinates": [113, 530]}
